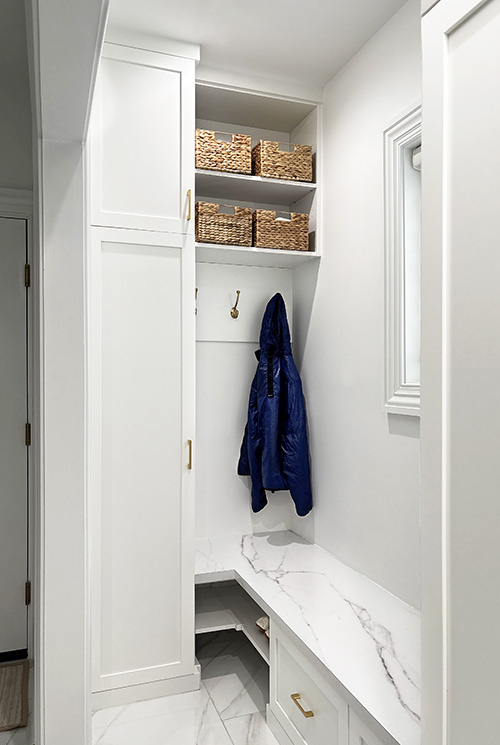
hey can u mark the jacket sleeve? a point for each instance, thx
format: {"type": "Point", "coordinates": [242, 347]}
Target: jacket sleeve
{"type": "Point", "coordinates": [250, 461]}
{"type": "Point", "coordinates": [294, 444]}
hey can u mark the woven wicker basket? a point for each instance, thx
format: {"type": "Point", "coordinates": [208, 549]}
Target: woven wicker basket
{"type": "Point", "coordinates": [274, 160]}
{"type": "Point", "coordinates": [213, 226]}
{"type": "Point", "coordinates": [270, 232]}
{"type": "Point", "coordinates": [217, 155]}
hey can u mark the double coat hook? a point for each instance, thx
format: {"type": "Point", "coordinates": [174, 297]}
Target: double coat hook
{"type": "Point", "coordinates": [234, 310]}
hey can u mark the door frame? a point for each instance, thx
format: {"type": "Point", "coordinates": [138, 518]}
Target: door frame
{"type": "Point", "coordinates": [18, 203]}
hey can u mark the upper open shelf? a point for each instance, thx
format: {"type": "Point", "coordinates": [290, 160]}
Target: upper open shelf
{"type": "Point", "coordinates": [236, 186]}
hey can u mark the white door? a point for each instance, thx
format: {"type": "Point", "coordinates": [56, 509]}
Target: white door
{"type": "Point", "coordinates": [142, 491]}
{"type": "Point", "coordinates": [13, 450]}
{"type": "Point", "coordinates": [142, 141]}
{"type": "Point", "coordinates": [460, 417]}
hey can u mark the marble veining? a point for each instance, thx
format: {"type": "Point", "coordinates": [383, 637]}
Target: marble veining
{"type": "Point", "coordinates": [234, 681]}
{"type": "Point", "coordinates": [235, 675]}
{"type": "Point", "coordinates": [250, 730]}
{"type": "Point", "coordinates": [364, 636]}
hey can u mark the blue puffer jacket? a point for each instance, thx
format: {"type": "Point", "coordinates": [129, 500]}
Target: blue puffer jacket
{"type": "Point", "coordinates": [274, 451]}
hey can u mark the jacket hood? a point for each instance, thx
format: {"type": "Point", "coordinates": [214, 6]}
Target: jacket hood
{"type": "Point", "coordinates": [274, 333]}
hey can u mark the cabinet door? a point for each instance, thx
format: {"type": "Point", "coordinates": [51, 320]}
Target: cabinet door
{"type": "Point", "coordinates": [359, 733]}
{"type": "Point", "coordinates": [142, 141]}
{"type": "Point", "coordinates": [141, 408]}
{"type": "Point", "coordinates": [307, 706]}
{"type": "Point", "coordinates": [460, 423]}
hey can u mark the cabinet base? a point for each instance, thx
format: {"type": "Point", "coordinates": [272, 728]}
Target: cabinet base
{"type": "Point", "coordinates": [276, 728]}
{"type": "Point", "coordinates": [145, 691]}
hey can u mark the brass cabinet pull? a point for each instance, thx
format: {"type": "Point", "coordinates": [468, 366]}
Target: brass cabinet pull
{"type": "Point", "coordinates": [295, 698]}
{"type": "Point", "coordinates": [190, 461]}
{"type": "Point", "coordinates": [189, 204]}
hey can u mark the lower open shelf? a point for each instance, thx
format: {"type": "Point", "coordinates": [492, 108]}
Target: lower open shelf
{"type": "Point", "coordinates": [227, 606]}
{"type": "Point", "coordinates": [213, 253]}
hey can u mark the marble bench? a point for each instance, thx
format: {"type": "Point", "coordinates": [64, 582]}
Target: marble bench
{"type": "Point", "coordinates": [359, 637]}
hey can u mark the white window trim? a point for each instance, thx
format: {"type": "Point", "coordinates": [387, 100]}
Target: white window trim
{"type": "Point", "coordinates": [400, 397]}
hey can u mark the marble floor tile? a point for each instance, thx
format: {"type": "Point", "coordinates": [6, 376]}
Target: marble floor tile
{"type": "Point", "coordinates": [14, 737]}
{"type": "Point", "coordinates": [180, 702]}
{"type": "Point", "coordinates": [214, 643]}
{"type": "Point", "coordinates": [250, 730]}
{"type": "Point", "coordinates": [235, 676]}
{"type": "Point", "coordinates": [199, 726]}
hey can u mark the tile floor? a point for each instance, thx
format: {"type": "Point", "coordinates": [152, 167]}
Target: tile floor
{"type": "Point", "coordinates": [229, 708]}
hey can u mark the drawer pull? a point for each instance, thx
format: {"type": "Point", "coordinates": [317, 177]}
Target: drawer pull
{"type": "Point", "coordinates": [295, 698]}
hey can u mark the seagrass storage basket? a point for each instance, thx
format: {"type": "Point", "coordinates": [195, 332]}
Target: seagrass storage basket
{"type": "Point", "coordinates": [217, 155]}
{"type": "Point", "coordinates": [282, 160]}
{"type": "Point", "coordinates": [214, 226]}
{"type": "Point", "coordinates": [270, 231]}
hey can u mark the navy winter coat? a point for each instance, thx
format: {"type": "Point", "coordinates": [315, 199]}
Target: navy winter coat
{"type": "Point", "coordinates": [274, 450]}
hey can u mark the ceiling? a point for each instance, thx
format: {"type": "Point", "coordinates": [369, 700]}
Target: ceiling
{"type": "Point", "coordinates": [301, 41]}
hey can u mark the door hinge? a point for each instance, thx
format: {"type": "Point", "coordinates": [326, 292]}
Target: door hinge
{"type": "Point", "coordinates": [28, 433]}
{"type": "Point", "coordinates": [27, 593]}
{"type": "Point", "coordinates": [27, 275]}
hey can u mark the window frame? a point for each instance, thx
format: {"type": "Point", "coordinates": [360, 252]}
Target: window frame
{"type": "Point", "coordinates": [404, 133]}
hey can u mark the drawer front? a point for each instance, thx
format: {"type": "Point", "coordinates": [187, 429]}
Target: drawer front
{"type": "Point", "coordinates": [297, 690]}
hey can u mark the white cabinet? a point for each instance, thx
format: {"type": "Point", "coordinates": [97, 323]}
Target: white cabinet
{"type": "Point", "coordinates": [359, 733]}
{"type": "Point", "coordinates": [310, 710]}
{"type": "Point", "coordinates": [142, 417]}
{"type": "Point", "coordinates": [141, 374]}
{"type": "Point", "coordinates": [460, 424]}
{"type": "Point", "coordinates": [142, 141]}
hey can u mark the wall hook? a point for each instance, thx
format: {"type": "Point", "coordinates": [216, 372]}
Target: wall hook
{"type": "Point", "coordinates": [234, 310]}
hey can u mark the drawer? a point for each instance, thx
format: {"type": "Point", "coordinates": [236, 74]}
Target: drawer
{"type": "Point", "coordinates": [298, 689]}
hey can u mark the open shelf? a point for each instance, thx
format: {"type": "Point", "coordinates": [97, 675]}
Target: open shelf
{"type": "Point", "coordinates": [213, 253]}
{"type": "Point", "coordinates": [228, 606]}
{"type": "Point", "coordinates": [237, 186]}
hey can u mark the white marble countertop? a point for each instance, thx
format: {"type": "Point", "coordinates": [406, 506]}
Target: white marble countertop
{"type": "Point", "coordinates": [368, 639]}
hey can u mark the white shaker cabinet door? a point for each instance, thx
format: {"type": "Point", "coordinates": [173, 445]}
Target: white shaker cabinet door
{"type": "Point", "coordinates": [142, 141]}
{"type": "Point", "coordinates": [141, 417]}
{"type": "Point", "coordinates": [360, 734]}
{"type": "Point", "coordinates": [460, 416]}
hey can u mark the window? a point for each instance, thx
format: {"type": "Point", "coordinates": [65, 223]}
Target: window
{"type": "Point", "coordinates": [402, 148]}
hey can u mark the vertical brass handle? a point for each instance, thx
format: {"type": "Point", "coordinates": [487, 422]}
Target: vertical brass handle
{"type": "Point", "coordinates": [295, 698]}
{"type": "Point", "coordinates": [189, 204]}
{"type": "Point", "coordinates": [190, 461]}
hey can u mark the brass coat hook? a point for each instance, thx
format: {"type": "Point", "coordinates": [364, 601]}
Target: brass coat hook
{"type": "Point", "coordinates": [234, 310]}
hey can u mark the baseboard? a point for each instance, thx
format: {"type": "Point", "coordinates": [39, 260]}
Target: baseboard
{"type": "Point", "coordinates": [13, 655]}
{"type": "Point", "coordinates": [146, 691]}
{"type": "Point", "coordinates": [276, 728]}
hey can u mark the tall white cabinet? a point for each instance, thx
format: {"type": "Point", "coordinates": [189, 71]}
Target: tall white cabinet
{"type": "Point", "coordinates": [141, 376]}
{"type": "Point", "coordinates": [460, 422]}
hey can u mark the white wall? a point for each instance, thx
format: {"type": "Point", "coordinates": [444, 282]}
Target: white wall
{"type": "Point", "coordinates": [365, 462]}
{"type": "Point", "coordinates": [225, 367]}
{"type": "Point", "coordinates": [16, 169]}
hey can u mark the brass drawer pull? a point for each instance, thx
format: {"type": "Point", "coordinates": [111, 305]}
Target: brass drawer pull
{"type": "Point", "coordinates": [189, 204]}
{"type": "Point", "coordinates": [295, 698]}
{"type": "Point", "coordinates": [190, 461]}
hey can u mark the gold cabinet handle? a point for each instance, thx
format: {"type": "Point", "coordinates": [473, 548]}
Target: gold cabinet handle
{"type": "Point", "coordinates": [295, 698]}
{"type": "Point", "coordinates": [189, 204]}
{"type": "Point", "coordinates": [190, 461]}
